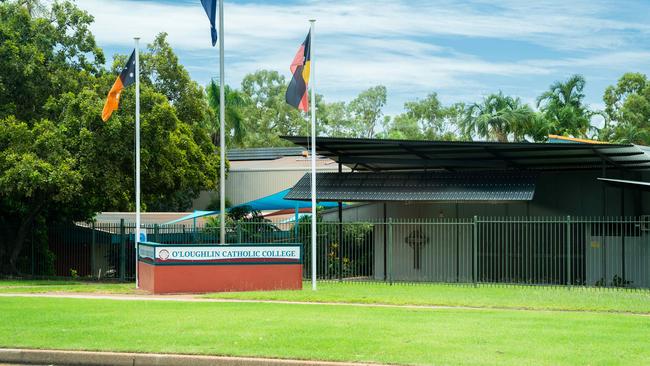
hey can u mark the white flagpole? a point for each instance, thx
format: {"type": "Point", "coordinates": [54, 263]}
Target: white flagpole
{"type": "Point", "coordinates": [222, 134]}
{"type": "Point", "coordinates": [137, 156]}
{"type": "Point", "coordinates": [312, 83]}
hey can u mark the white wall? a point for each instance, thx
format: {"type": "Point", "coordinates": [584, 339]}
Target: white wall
{"type": "Point", "coordinates": [246, 186]}
{"type": "Point", "coordinates": [637, 259]}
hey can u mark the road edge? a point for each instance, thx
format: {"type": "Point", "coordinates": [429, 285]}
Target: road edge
{"type": "Point", "coordinates": [91, 358]}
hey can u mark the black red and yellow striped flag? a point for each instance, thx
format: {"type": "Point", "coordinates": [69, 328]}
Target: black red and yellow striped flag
{"type": "Point", "coordinates": [126, 78]}
{"type": "Point", "coordinates": [297, 91]}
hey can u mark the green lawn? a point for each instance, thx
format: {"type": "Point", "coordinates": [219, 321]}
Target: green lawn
{"type": "Point", "coordinates": [345, 333]}
{"type": "Point", "coordinates": [44, 286]}
{"type": "Point", "coordinates": [537, 298]}
{"type": "Point", "coordinates": [526, 297]}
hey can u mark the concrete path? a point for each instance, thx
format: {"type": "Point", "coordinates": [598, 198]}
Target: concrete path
{"type": "Point", "coordinates": [70, 358]}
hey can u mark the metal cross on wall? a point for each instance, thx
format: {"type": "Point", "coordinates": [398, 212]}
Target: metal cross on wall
{"type": "Point", "coordinates": [416, 240]}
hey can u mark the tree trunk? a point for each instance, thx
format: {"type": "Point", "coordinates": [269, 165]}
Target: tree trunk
{"type": "Point", "coordinates": [19, 239]}
{"type": "Point", "coordinates": [4, 242]}
{"type": "Point", "coordinates": [501, 136]}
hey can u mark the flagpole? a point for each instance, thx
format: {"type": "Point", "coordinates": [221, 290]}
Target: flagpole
{"type": "Point", "coordinates": [222, 134]}
{"type": "Point", "coordinates": [312, 83]}
{"type": "Point", "coordinates": [137, 156]}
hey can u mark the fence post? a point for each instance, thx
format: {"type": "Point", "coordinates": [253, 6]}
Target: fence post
{"type": "Point", "coordinates": [156, 233]}
{"type": "Point", "coordinates": [568, 250]}
{"type": "Point", "coordinates": [122, 250]}
{"type": "Point", "coordinates": [238, 232]}
{"type": "Point", "coordinates": [93, 242]}
{"type": "Point", "coordinates": [389, 256]}
{"type": "Point", "coordinates": [340, 251]}
{"type": "Point", "coordinates": [475, 250]}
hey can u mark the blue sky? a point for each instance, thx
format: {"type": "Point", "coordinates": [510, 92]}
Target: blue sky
{"type": "Point", "coordinates": [463, 50]}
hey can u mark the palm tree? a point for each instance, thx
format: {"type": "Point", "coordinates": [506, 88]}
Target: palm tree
{"type": "Point", "coordinates": [498, 117]}
{"type": "Point", "coordinates": [562, 106]}
{"type": "Point", "coordinates": [235, 101]}
{"type": "Point", "coordinates": [628, 133]}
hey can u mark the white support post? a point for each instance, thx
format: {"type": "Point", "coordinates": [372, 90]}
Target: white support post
{"type": "Point", "coordinates": [222, 133]}
{"type": "Point", "coordinates": [137, 156]}
{"type": "Point", "coordinates": [312, 83]}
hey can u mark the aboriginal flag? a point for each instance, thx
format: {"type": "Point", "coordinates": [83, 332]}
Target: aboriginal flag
{"type": "Point", "coordinates": [126, 78]}
{"type": "Point", "coordinates": [297, 91]}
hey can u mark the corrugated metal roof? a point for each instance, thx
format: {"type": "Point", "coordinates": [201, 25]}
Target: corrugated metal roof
{"type": "Point", "coordinates": [418, 186]}
{"type": "Point", "coordinates": [263, 153]}
{"type": "Point", "coordinates": [405, 155]}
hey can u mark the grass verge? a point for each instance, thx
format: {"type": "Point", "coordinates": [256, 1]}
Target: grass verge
{"type": "Point", "coordinates": [45, 286]}
{"type": "Point", "coordinates": [342, 333]}
{"type": "Point", "coordinates": [521, 297]}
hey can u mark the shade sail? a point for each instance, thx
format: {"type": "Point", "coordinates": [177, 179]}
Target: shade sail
{"type": "Point", "coordinates": [275, 201]}
{"type": "Point", "coordinates": [419, 186]}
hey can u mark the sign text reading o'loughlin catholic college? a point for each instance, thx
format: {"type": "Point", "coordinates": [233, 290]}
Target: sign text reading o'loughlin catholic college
{"type": "Point", "coordinates": [218, 253]}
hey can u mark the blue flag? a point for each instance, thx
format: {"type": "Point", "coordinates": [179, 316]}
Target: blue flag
{"type": "Point", "coordinates": [210, 7]}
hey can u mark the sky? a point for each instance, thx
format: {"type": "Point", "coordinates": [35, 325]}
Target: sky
{"type": "Point", "coordinates": [461, 49]}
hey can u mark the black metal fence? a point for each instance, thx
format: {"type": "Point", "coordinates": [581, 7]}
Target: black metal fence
{"type": "Point", "coordinates": [528, 250]}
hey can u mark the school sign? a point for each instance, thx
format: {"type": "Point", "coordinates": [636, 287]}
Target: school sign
{"type": "Point", "coordinates": [210, 268]}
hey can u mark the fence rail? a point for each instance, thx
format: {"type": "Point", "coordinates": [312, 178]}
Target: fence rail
{"type": "Point", "coordinates": [575, 251]}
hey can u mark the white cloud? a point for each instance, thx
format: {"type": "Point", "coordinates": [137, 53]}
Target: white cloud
{"type": "Point", "coordinates": [552, 25]}
{"type": "Point", "coordinates": [619, 59]}
{"type": "Point", "coordinates": [363, 43]}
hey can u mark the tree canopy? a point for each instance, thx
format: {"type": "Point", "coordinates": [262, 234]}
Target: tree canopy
{"type": "Point", "coordinates": [498, 117]}
{"type": "Point", "coordinates": [235, 126]}
{"type": "Point", "coordinates": [267, 116]}
{"type": "Point", "coordinates": [58, 160]}
{"type": "Point", "coordinates": [627, 110]}
{"type": "Point", "coordinates": [563, 108]}
{"type": "Point", "coordinates": [260, 115]}
{"type": "Point", "coordinates": [425, 119]}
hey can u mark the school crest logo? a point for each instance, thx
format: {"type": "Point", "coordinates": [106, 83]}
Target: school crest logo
{"type": "Point", "coordinates": [163, 254]}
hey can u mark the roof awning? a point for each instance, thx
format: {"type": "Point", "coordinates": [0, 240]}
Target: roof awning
{"type": "Point", "coordinates": [633, 184]}
{"type": "Point", "coordinates": [407, 155]}
{"type": "Point", "coordinates": [418, 186]}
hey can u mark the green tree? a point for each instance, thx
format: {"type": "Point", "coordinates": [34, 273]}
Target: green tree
{"type": "Point", "coordinates": [499, 118]}
{"type": "Point", "coordinates": [37, 173]}
{"type": "Point", "coordinates": [627, 110]}
{"type": "Point", "coordinates": [58, 160]}
{"type": "Point", "coordinates": [236, 102]}
{"type": "Point", "coordinates": [455, 114]}
{"type": "Point", "coordinates": [177, 156]}
{"type": "Point", "coordinates": [401, 127]}
{"type": "Point", "coordinates": [334, 120]}
{"type": "Point", "coordinates": [268, 116]}
{"type": "Point", "coordinates": [563, 108]}
{"type": "Point", "coordinates": [366, 111]}
{"type": "Point", "coordinates": [38, 56]}
{"type": "Point", "coordinates": [425, 119]}
{"type": "Point", "coordinates": [161, 69]}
